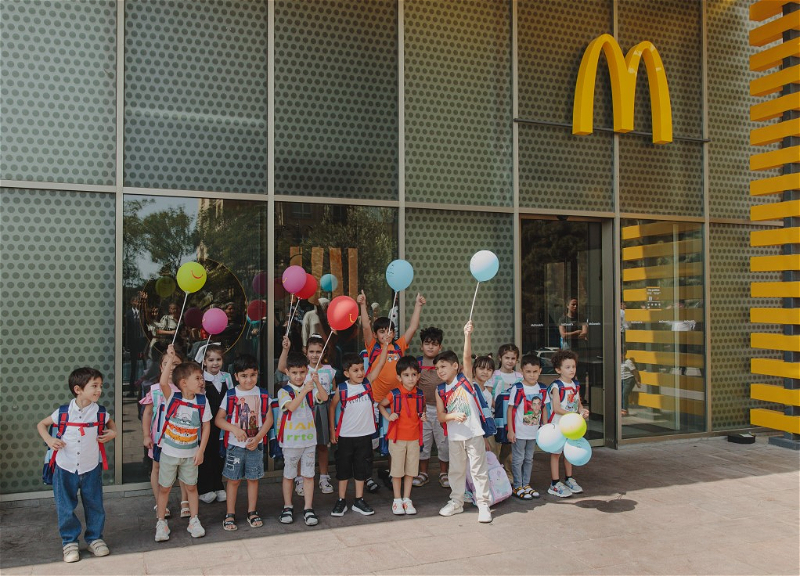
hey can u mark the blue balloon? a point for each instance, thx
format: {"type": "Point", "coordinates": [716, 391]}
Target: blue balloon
{"type": "Point", "coordinates": [329, 283]}
{"type": "Point", "coordinates": [550, 439]}
{"type": "Point", "coordinates": [399, 275]}
{"type": "Point", "coordinates": [577, 452]}
{"type": "Point", "coordinates": [484, 265]}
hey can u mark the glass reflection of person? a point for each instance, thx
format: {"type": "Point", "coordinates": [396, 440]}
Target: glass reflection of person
{"type": "Point", "coordinates": [166, 327]}
{"type": "Point", "coordinates": [572, 330]}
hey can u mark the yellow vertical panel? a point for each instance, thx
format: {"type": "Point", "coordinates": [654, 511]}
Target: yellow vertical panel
{"type": "Point", "coordinates": [775, 290]}
{"type": "Point", "coordinates": [774, 185]}
{"type": "Point", "coordinates": [774, 159]}
{"type": "Point", "coordinates": [770, 341]}
{"type": "Point", "coordinates": [771, 83]}
{"type": "Point", "coordinates": [691, 383]}
{"type": "Point", "coordinates": [774, 29]}
{"type": "Point", "coordinates": [664, 293]}
{"type": "Point", "coordinates": [775, 263]}
{"type": "Point", "coordinates": [763, 9]}
{"type": "Point", "coordinates": [658, 272]}
{"type": "Point", "coordinates": [775, 315]}
{"type": "Point", "coordinates": [775, 211]}
{"type": "Point", "coordinates": [774, 56]}
{"type": "Point", "coordinates": [665, 315]}
{"type": "Point", "coordinates": [774, 132]}
{"type": "Point", "coordinates": [779, 368]}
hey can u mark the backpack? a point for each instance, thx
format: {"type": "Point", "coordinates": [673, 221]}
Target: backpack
{"type": "Point", "coordinates": [231, 405]}
{"type": "Point", "coordinates": [497, 480]}
{"type": "Point", "coordinates": [562, 391]}
{"type": "Point", "coordinates": [58, 429]}
{"type": "Point", "coordinates": [272, 436]}
{"type": "Point", "coordinates": [397, 406]}
{"type": "Point", "coordinates": [501, 416]}
{"type": "Point", "coordinates": [376, 351]}
{"type": "Point", "coordinates": [488, 424]}
{"type": "Point", "coordinates": [519, 398]}
{"type": "Point", "coordinates": [341, 389]}
{"type": "Point", "coordinates": [177, 400]}
{"type": "Point", "coordinates": [287, 415]}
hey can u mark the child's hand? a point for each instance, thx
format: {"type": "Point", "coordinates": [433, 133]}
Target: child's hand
{"type": "Point", "coordinates": [585, 414]}
{"type": "Point", "coordinates": [106, 436]}
{"type": "Point", "coordinates": [56, 443]}
{"type": "Point", "coordinates": [308, 386]}
{"type": "Point", "coordinates": [420, 300]}
{"type": "Point", "coordinates": [361, 298]}
{"type": "Point", "coordinates": [198, 458]}
{"type": "Point", "coordinates": [240, 434]}
{"type": "Point", "coordinates": [512, 437]}
{"type": "Point", "coordinates": [286, 343]}
{"type": "Point", "coordinates": [393, 416]}
{"type": "Point", "coordinates": [459, 416]}
{"type": "Point", "coordinates": [147, 442]}
{"type": "Point", "coordinates": [315, 378]}
{"type": "Point", "coordinates": [424, 417]}
{"type": "Point", "coordinates": [251, 444]}
{"type": "Point", "coordinates": [171, 353]}
{"type": "Point", "coordinates": [334, 439]}
{"type": "Point", "coordinates": [468, 328]}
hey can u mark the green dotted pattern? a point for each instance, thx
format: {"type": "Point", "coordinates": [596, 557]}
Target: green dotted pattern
{"type": "Point", "coordinates": [57, 304]}
{"type": "Point", "coordinates": [196, 95]}
{"type": "Point", "coordinates": [439, 245]}
{"type": "Point", "coordinates": [458, 102]}
{"type": "Point", "coordinates": [58, 94]}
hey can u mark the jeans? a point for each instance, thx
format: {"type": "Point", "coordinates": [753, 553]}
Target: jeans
{"type": "Point", "coordinates": [627, 387]}
{"type": "Point", "coordinates": [65, 490]}
{"type": "Point", "coordinates": [522, 461]}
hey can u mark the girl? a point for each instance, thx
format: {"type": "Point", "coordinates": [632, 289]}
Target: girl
{"type": "Point", "coordinates": [479, 372]}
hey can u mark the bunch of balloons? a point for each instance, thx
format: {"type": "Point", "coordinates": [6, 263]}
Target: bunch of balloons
{"type": "Point", "coordinates": [567, 435]}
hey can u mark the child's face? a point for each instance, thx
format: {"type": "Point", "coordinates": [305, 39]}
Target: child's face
{"type": "Point", "coordinates": [431, 348]}
{"type": "Point", "coordinates": [247, 379]}
{"type": "Point", "coordinates": [408, 378]}
{"type": "Point", "coordinates": [193, 383]}
{"type": "Point", "coordinates": [213, 362]}
{"type": "Point", "coordinates": [567, 369]}
{"type": "Point", "coordinates": [530, 373]}
{"type": "Point", "coordinates": [314, 353]}
{"type": "Point", "coordinates": [355, 373]}
{"type": "Point", "coordinates": [297, 375]}
{"type": "Point", "coordinates": [91, 392]}
{"type": "Point", "coordinates": [385, 335]}
{"type": "Point", "coordinates": [508, 361]}
{"type": "Point", "coordinates": [446, 371]}
{"type": "Point", "coordinates": [483, 373]}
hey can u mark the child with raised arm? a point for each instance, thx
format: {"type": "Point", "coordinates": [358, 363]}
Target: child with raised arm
{"type": "Point", "coordinates": [564, 398]}
{"type": "Point", "coordinates": [479, 372]}
{"type": "Point", "coordinates": [82, 428]}
{"type": "Point", "coordinates": [432, 431]}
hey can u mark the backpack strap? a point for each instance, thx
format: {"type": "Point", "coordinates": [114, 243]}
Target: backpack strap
{"type": "Point", "coordinates": [175, 401]}
{"type": "Point", "coordinates": [376, 351]}
{"type": "Point", "coordinates": [421, 366]}
{"type": "Point", "coordinates": [230, 407]}
{"type": "Point", "coordinates": [421, 409]}
{"type": "Point", "coordinates": [102, 417]}
{"type": "Point", "coordinates": [397, 407]}
{"type": "Point", "coordinates": [265, 408]}
{"type": "Point", "coordinates": [285, 414]}
{"type": "Point", "coordinates": [519, 397]}
{"type": "Point", "coordinates": [343, 399]}
{"type": "Point", "coordinates": [440, 390]}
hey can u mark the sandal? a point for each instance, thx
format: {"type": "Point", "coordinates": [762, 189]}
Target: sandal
{"type": "Point", "coordinates": [167, 513]}
{"type": "Point", "coordinates": [254, 520]}
{"type": "Point", "coordinates": [185, 511]}
{"type": "Point", "coordinates": [533, 493]}
{"type": "Point", "coordinates": [229, 523]}
{"type": "Point", "coordinates": [371, 485]}
{"type": "Point", "coordinates": [421, 479]}
{"type": "Point", "coordinates": [521, 493]}
{"type": "Point", "coordinates": [287, 515]}
{"type": "Point", "coordinates": [444, 480]}
{"type": "Point", "coordinates": [309, 517]}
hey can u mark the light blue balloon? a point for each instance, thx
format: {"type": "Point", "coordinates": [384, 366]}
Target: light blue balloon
{"type": "Point", "coordinates": [577, 452]}
{"type": "Point", "coordinates": [399, 275]}
{"type": "Point", "coordinates": [550, 439]}
{"type": "Point", "coordinates": [329, 283]}
{"type": "Point", "coordinates": [484, 265]}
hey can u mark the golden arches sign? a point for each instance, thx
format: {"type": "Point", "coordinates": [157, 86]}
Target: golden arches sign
{"type": "Point", "coordinates": [623, 71]}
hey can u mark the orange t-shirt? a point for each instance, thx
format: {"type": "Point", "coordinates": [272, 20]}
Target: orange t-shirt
{"type": "Point", "coordinates": [386, 380]}
{"type": "Point", "coordinates": [407, 425]}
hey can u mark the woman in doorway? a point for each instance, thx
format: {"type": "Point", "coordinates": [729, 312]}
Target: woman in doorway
{"type": "Point", "coordinates": [572, 330]}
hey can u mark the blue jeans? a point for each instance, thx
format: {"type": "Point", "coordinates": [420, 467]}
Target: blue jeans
{"type": "Point", "coordinates": [522, 461]}
{"type": "Point", "coordinates": [65, 489]}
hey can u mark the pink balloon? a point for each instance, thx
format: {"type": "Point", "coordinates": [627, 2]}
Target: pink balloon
{"type": "Point", "coordinates": [215, 321]}
{"type": "Point", "coordinates": [260, 283]}
{"type": "Point", "coordinates": [294, 278]}
{"type": "Point", "coordinates": [193, 317]}
{"type": "Point", "coordinates": [309, 289]}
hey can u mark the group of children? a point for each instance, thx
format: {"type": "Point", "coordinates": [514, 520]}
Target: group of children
{"type": "Point", "coordinates": [200, 428]}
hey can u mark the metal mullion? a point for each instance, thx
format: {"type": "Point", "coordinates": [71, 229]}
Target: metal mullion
{"type": "Point", "coordinates": [65, 186]}
{"type": "Point", "coordinates": [517, 226]}
{"type": "Point", "coordinates": [401, 147]}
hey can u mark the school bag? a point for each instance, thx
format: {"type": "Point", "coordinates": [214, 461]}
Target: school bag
{"type": "Point", "coordinates": [57, 430]}
{"type": "Point", "coordinates": [396, 407]}
{"type": "Point", "coordinates": [562, 392]}
{"type": "Point", "coordinates": [275, 451]}
{"type": "Point", "coordinates": [487, 423]}
{"type": "Point", "coordinates": [287, 415]}
{"type": "Point", "coordinates": [501, 416]}
{"type": "Point", "coordinates": [499, 485]}
{"type": "Point", "coordinates": [175, 401]}
{"type": "Point", "coordinates": [341, 390]}
{"type": "Point", "coordinates": [232, 405]}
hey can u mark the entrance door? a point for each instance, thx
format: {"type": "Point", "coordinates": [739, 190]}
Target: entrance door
{"type": "Point", "coordinates": [562, 306]}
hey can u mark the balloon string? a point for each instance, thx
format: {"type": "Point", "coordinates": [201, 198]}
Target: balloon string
{"type": "Point", "coordinates": [394, 302]}
{"type": "Point", "coordinates": [473, 301]}
{"type": "Point", "coordinates": [289, 322]}
{"type": "Point", "coordinates": [323, 351]}
{"type": "Point", "coordinates": [174, 336]}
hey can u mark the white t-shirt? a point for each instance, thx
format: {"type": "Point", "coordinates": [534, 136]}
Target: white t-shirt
{"type": "Point", "coordinates": [487, 396]}
{"type": "Point", "coordinates": [460, 400]}
{"type": "Point", "coordinates": [529, 411]}
{"type": "Point", "coordinates": [246, 414]}
{"type": "Point", "coordinates": [570, 401]}
{"type": "Point", "coordinates": [82, 452]}
{"type": "Point", "coordinates": [326, 375]}
{"type": "Point", "coordinates": [626, 369]}
{"type": "Point", "coordinates": [299, 430]}
{"type": "Point", "coordinates": [502, 381]}
{"type": "Point", "coordinates": [182, 432]}
{"type": "Point", "coordinates": [359, 417]}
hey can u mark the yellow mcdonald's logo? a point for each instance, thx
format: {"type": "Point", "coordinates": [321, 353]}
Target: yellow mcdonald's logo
{"type": "Point", "coordinates": [623, 72]}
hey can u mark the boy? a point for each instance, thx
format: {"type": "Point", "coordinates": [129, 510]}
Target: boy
{"type": "Point", "coordinates": [297, 434]}
{"type": "Point", "coordinates": [353, 429]}
{"type": "Point", "coordinates": [187, 426]}
{"type": "Point", "coordinates": [245, 417]}
{"type": "Point", "coordinates": [77, 448]}
{"type": "Point", "coordinates": [432, 430]}
{"type": "Point", "coordinates": [564, 398]}
{"type": "Point", "coordinates": [524, 416]}
{"type": "Point", "coordinates": [459, 410]}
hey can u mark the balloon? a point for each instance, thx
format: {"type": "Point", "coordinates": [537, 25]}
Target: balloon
{"type": "Point", "coordinates": [329, 282]}
{"type": "Point", "coordinates": [215, 320]}
{"type": "Point", "coordinates": [484, 265]}
{"type": "Point", "coordinates": [573, 426]}
{"type": "Point", "coordinates": [280, 293]}
{"type": "Point", "coordinates": [342, 312]}
{"type": "Point", "coordinates": [309, 289]}
{"type": "Point", "coordinates": [193, 317]}
{"type": "Point", "coordinates": [191, 277]}
{"type": "Point", "coordinates": [549, 438]}
{"type": "Point", "coordinates": [577, 452]}
{"type": "Point", "coordinates": [257, 310]}
{"type": "Point", "coordinates": [165, 286]}
{"type": "Point", "coordinates": [260, 283]}
{"type": "Point", "coordinates": [294, 278]}
{"type": "Point", "coordinates": [399, 275]}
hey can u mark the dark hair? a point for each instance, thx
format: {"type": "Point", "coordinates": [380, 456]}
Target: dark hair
{"type": "Point", "coordinates": [507, 348]}
{"type": "Point", "coordinates": [296, 360]}
{"type": "Point", "coordinates": [351, 359]}
{"type": "Point", "coordinates": [405, 363]}
{"type": "Point", "coordinates": [315, 339]}
{"type": "Point", "coordinates": [381, 323]}
{"type": "Point", "coordinates": [244, 362]}
{"type": "Point", "coordinates": [448, 356]}
{"type": "Point", "coordinates": [184, 370]}
{"type": "Point", "coordinates": [213, 348]}
{"type": "Point", "coordinates": [80, 377]}
{"type": "Point", "coordinates": [532, 359]}
{"type": "Point", "coordinates": [559, 357]}
{"type": "Point", "coordinates": [483, 362]}
{"type": "Point", "coordinates": [433, 334]}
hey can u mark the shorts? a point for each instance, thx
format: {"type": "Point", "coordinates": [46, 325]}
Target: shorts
{"type": "Point", "coordinates": [405, 458]}
{"type": "Point", "coordinates": [354, 457]}
{"type": "Point", "coordinates": [321, 423]}
{"type": "Point", "coordinates": [243, 464]}
{"type": "Point", "coordinates": [169, 467]}
{"type": "Point", "coordinates": [303, 456]}
{"type": "Point", "coordinates": [432, 431]}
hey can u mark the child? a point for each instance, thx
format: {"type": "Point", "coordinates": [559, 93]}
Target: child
{"type": "Point", "coordinates": [479, 372]}
{"type": "Point", "coordinates": [459, 410]}
{"type": "Point", "coordinates": [432, 430]}
{"type": "Point", "coordinates": [297, 434]}
{"type": "Point", "coordinates": [564, 398]}
{"type": "Point", "coordinates": [217, 384]}
{"type": "Point", "coordinates": [245, 417]}
{"type": "Point", "coordinates": [183, 439]}
{"type": "Point", "coordinates": [502, 379]}
{"type": "Point", "coordinates": [405, 432]}
{"type": "Point", "coordinates": [629, 374]}
{"type": "Point", "coordinates": [77, 459]}
{"type": "Point", "coordinates": [524, 416]}
{"type": "Point", "coordinates": [353, 429]}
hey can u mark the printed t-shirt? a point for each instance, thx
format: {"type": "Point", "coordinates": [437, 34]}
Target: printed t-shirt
{"type": "Point", "coordinates": [529, 411]}
{"type": "Point", "coordinates": [82, 451]}
{"type": "Point", "coordinates": [407, 425]}
{"type": "Point", "coordinates": [502, 381]}
{"type": "Point", "coordinates": [246, 414]}
{"type": "Point", "coordinates": [326, 376]}
{"type": "Point", "coordinates": [359, 416]}
{"type": "Point", "coordinates": [156, 398]}
{"type": "Point", "coordinates": [428, 381]}
{"type": "Point", "coordinates": [387, 378]}
{"type": "Point", "coordinates": [460, 400]}
{"type": "Point", "coordinates": [570, 401]}
{"type": "Point", "coordinates": [182, 431]}
{"type": "Point", "coordinates": [299, 430]}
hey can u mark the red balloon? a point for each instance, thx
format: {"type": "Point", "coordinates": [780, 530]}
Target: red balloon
{"type": "Point", "coordinates": [260, 283]}
{"type": "Point", "coordinates": [257, 310]}
{"type": "Point", "coordinates": [342, 312]}
{"type": "Point", "coordinates": [193, 317]}
{"type": "Point", "coordinates": [280, 291]}
{"type": "Point", "coordinates": [309, 289]}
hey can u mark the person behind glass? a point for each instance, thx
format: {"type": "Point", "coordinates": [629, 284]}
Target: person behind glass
{"type": "Point", "coordinates": [135, 342]}
{"type": "Point", "coordinates": [168, 325]}
{"type": "Point", "coordinates": [77, 465]}
{"type": "Point", "coordinates": [629, 374]}
{"type": "Point", "coordinates": [572, 330]}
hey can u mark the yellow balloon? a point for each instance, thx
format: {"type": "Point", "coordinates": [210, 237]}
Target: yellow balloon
{"type": "Point", "coordinates": [573, 426]}
{"type": "Point", "coordinates": [191, 277]}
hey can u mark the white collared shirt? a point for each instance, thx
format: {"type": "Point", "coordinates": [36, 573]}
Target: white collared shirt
{"type": "Point", "coordinates": [82, 452]}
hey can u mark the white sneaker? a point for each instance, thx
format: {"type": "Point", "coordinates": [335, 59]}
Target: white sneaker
{"type": "Point", "coordinates": [298, 488]}
{"type": "Point", "coordinates": [195, 528]}
{"type": "Point", "coordinates": [397, 508]}
{"type": "Point", "coordinates": [484, 514]}
{"type": "Point", "coordinates": [162, 531]}
{"type": "Point", "coordinates": [573, 486]}
{"type": "Point", "coordinates": [221, 496]}
{"type": "Point", "coordinates": [408, 506]}
{"type": "Point", "coordinates": [451, 508]}
{"type": "Point", "coordinates": [208, 497]}
{"type": "Point", "coordinates": [325, 485]}
{"type": "Point", "coordinates": [559, 490]}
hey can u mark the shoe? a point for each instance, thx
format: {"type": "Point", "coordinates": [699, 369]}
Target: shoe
{"type": "Point", "coordinates": [72, 552]}
{"type": "Point", "coordinates": [362, 507]}
{"type": "Point", "coordinates": [298, 488]}
{"type": "Point", "coordinates": [531, 491]}
{"type": "Point", "coordinates": [384, 476]}
{"type": "Point", "coordinates": [186, 512]}
{"type": "Point", "coordinates": [325, 485]}
{"type": "Point", "coordinates": [195, 528]}
{"type": "Point", "coordinates": [444, 480]}
{"type": "Point", "coordinates": [167, 513]}
{"type": "Point", "coordinates": [397, 508]}
{"type": "Point", "coordinates": [339, 508]}
{"type": "Point", "coordinates": [371, 485]}
{"type": "Point", "coordinates": [421, 479]}
{"type": "Point", "coordinates": [162, 531]}
{"type": "Point", "coordinates": [521, 493]}
{"type": "Point", "coordinates": [408, 506]}
{"type": "Point", "coordinates": [451, 509]}
{"type": "Point", "coordinates": [559, 490]}
{"type": "Point", "coordinates": [573, 486]}
{"type": "Point", "coordinates": [99, 548]}
{"type": "Point", "coordinates": [484, 514]}
{"type": "Point", "coordinates": [208, 497]}
{"type": "Point", "coordinates": [221, 496]}
{"type": "Point", "coordinates": [287, 515]}
{"type": "Point", "coordinates": [309, 517]}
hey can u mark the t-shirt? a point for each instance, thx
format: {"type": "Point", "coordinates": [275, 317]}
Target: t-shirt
{"type": "Point", "coordinates": [156, 398]}
{"type": "Point", "coordinates": [182, 432]}
{"type": "Point", "coordinates": [529, 411]}
{"type": "Point", "coordinates": [359, 416]}
{"type": "Point", "coordinates": [626, 369]}
{"type": "Point", "coordinates": [299, 430]}
{"type": "Point", "coordinates": [246, 414]}
{"type": "Point", "coordinates": [570, 401]}
{"type": "Point", "coordinates": [428, 381]}
{"type": "Point", "coordinates": [387, 378]}
{"type": "Point", "coordinates": [502, 381]}
{"type": "Point", "coordinates": [407, 425]}
{"type": "Point", "coordinates": [82, 451]}
{"type": "Point", "coordinates": [326, 376]}
{"type": "Point", "coordinates": [460, 400]}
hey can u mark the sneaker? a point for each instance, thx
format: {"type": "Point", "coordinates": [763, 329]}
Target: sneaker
{"type": "Point", "coordinates": [99, 548]}
{"type": "Point", "coordinates": [339, 508]}
{"type": "Point", "coordinates": [325, 485]}
{"type": "Point", "coordinates": [484, 514]}
{"type": "Point", "coordinates": [162, 531]}
{"type": "Point", "coordinates": [71, 552]}
{"type": "Point", "coordinates": [573, 486]}
{"type": "Point", "coordinates": [298, 488]}
{"type": "Point", "coordinates": [362, 507]}
{"type": "Point", "coordinates": [221, 496]}
{"type": "Point", "coordinates": [559, 490]}
{"type": "Point", "coordinates": [397, 508]}
{"type": "Point", "coordinates": [195, 528]}
{"type": "Point", "coordinates": [451, 508]}
{"type": "Point", "coordinates": [408, 506]}
{"type": "Point", "coordinates": [208, 497]}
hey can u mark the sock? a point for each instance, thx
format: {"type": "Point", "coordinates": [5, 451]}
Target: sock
{"type": "Point", "coordinates": [553, 482]}
{"type": "Point", "coordinates": [567, 478]}
{"type": "Point", "coordinates": [324, 477]}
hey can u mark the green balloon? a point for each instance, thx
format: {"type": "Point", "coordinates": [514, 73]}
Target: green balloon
{"type": "Point", "coordinates": [165, 286]}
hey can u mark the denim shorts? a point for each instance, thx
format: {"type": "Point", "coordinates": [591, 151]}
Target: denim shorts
{"type": "Point", "coordinates": [243, 464]}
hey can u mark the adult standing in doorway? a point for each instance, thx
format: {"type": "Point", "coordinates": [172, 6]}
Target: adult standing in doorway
{"type": "Point", "coordinates": [573, 332]}
{"type": "Point", "coordinates": [135, 341]}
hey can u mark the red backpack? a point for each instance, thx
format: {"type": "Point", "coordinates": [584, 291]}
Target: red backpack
{"type": "Point", "coordinates": [343, 400]}
{"type": "Point", "coordinates": [287, 415]}
{"type": "Point", "coordinates": [397, 407]}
